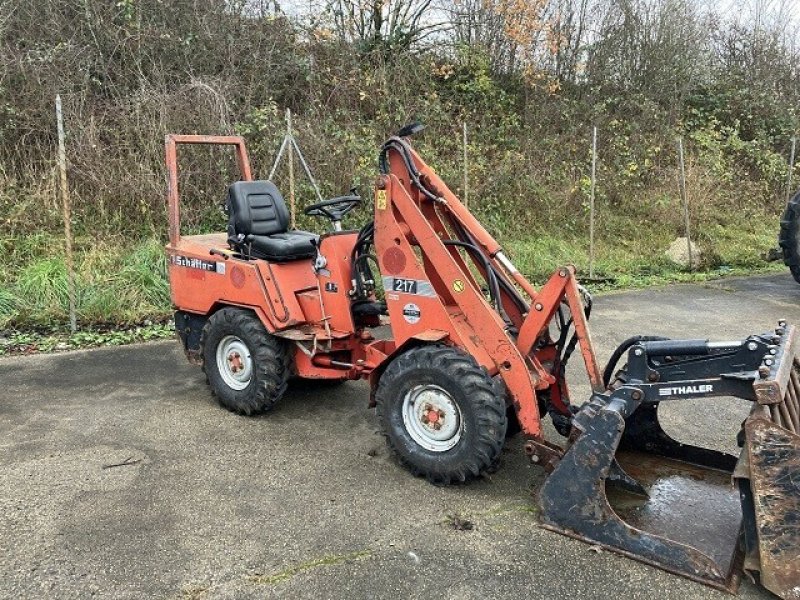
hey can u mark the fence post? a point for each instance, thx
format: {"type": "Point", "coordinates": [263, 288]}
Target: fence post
{"type": "Point", "coordinates": [62, 167]}
{"type": "Point", "coordinates": [290, 157]}
{"type": "Point", "coordinates": [466, 171]}
{"type": "Point", "coordinates": [791, 170]}
{"type": "Point", "coordinates": [685, 201]}
{"type": "Point", "coordinates": [591, 202]}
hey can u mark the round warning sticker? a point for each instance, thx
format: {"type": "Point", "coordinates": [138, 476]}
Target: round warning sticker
{"type": "Point", "coordinates": [411, 313]}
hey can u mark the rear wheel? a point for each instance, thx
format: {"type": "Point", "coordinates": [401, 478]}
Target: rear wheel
{"type": "Point", "coordinates": [247, 368]}
{"type": "Point", "coordinates": [440, 414]}
{"type": "Point", "coordinates": [789, 238]}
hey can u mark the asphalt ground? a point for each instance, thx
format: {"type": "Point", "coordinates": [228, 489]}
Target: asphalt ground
{"type": "Point", "coordinates": [306, 502]}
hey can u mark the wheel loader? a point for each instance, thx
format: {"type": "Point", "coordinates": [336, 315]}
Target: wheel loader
{"type": "Point", "coordinates": [459, 349]}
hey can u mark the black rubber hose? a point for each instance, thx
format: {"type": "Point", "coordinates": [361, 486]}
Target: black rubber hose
{"type": "Point", "coordinates": [402, 148]}
{"type": "Point", "coordinates": [611, 366]}
{"type": "Point", "coordinates": [491, 279]}
{"type": "Point", "coordinates": [512, 292]}
{"type": "Point", "coordinates": [363, 241]}
{"type": "Point", "coordinates": [563, 331]}
{"type": "Point", "coordinates": [362, 263]}
{"type": "Point", "coordinates": [565, 350]}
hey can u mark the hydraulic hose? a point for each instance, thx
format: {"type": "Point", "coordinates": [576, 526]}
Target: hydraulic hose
{"type": "Point", "coordinates": [357, 266]}
{"type": "Point", "coordinates": [570, 347]}
{"type": "Point", "coordinates": [509, 289]}
{"type": "Point", "coordinates": [608, 372]}
{"type": "Point", "coordinates": [402, 148]}
{"type": "Point", "coordinates": [491, 278]}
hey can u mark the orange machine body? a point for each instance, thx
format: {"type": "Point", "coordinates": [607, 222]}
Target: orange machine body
{"type": "Point", "coordinates": [432, 291]}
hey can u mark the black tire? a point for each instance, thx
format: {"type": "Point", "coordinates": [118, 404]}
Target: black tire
{"type": "Point", "coordinates": [269, 356]}
{"type": "Point", "coordinates": [513, 423]}
{"type": "Point", "coordinates": [789, 238]}
{"type": "Point", "coordinates": [469, 387]}
{"type": "Point", "coordinates": [500, 390]}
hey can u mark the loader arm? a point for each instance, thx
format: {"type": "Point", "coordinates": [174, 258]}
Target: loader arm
{"type": "Point", "coordinates": [421, 227]}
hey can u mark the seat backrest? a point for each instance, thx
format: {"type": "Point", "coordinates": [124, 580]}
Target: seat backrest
{"type": "Point", "coordinates": [256, 208]}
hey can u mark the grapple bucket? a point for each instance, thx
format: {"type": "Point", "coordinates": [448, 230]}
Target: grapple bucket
{"type": "Point", "coordinates": [625, 485]}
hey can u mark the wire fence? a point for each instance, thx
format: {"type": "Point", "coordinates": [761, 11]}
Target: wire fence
{"type": "Point", "coordinates": [289, 149]}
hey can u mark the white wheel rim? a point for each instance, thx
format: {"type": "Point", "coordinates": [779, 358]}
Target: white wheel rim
{"type": "Point", "coordinates": [432, 418]}
{"type": "Point", "coordinates": [234, 363]}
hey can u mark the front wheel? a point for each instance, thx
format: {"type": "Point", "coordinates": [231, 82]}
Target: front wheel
{"type": "Point", "coordinates": [440, 414]}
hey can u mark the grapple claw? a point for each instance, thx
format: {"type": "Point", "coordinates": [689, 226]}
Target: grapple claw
{"type": "Point", "coordinates": [617, 476]}
{"type": "Point", "coordinates": [692, 521]}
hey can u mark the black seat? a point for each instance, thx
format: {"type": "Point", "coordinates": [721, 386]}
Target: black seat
{"type": "Point", "coordinates": [258, 224]}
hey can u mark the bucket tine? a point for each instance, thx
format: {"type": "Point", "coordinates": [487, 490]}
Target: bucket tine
{"type": "Point", "coordinates": [774, 485]}
{"type": "Point", "coordinates": [618, 476]}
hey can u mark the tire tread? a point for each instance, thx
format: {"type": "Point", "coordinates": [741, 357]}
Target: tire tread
{"type": "Point", "coordinates": [489, 410]}
{"type": "Point", "coordinates": [271, 361]}
{"type": "Point", "coordinates": [789, 237]}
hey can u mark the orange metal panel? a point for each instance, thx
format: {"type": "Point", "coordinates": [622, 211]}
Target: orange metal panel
{"type": "Point", "coordinates": [200, 280]}
{"type": "Point", "coordinates": [310, 305]}
{"type": "Point", "coordinates": [281, 283]}
{"type": "Point", "coordinates": [334, 280]}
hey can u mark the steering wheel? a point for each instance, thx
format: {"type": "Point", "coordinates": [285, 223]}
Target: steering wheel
{"type": "Point", "coordinates": [335, 208]}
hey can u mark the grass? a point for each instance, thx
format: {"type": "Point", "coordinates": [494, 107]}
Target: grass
{"type": "Point", "coordinates": [331, 559]}
{"type": "Point", "coordinates": [42, 288]}
{"type": "Point", "coordinates": [122, 291]}
{"type": "Point", "coordinates": [632, 254]}
{"type": "Point", "coordinates": [113, 284]}
{"type": "Point", "coordinates": [8, 303]}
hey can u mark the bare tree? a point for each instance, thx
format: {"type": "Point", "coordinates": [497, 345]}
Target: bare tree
{"type": "Point", "coordinates": [385, 25]}
{"type": "Point", "coordinates": [655, 47]}
{"type": "Point", "coordinates": [569, 27]}
{"type": "Point", "coordinates": [538, 36]}
{"type": "Point", "coordinates": [477, 25]}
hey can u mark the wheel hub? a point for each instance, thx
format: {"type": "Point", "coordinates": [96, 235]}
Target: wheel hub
{"type": "Point", "coordinates": [234, 362]}
{"type": "Point", "coordinates": [432, 418]}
